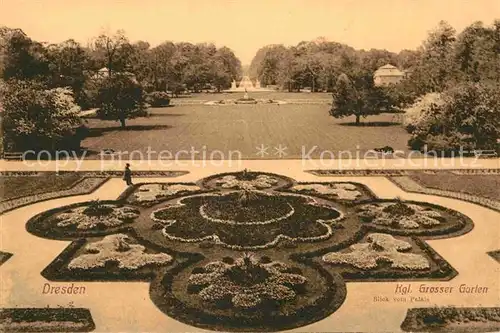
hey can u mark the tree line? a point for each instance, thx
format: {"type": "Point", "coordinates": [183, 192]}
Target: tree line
{"type": "Point", "coordinates": [442, 60]}
{"type": "Point", "coordinates": [167, 66]}
{"type": "Point", "coordinates": [317, 64]}
{"type": "Point", "coordinates": [450, 96]}
{"type": "Point", "coordinates": [450, 93]}
{"type": "Point", "coordinates": [43, 87]}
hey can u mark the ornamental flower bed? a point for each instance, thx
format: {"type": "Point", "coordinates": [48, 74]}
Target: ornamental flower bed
{"type": "Point", "coordinates": [152, 193]}
{"type": "Point", "coordinates": [117, 248]}
{"type": "Point", "coordinates": [379, 248]}
{"type": "Point", "coordinates": [261, 223]}
{"type": "Point", "coordinates": [400, 215]}
{"type": "Point", "coordinates": [247, 211]}
{"type": "Point", "coordinates": [342, 191]}
{"type": "Point", "coordinates": [246, 282]}
{"type": "Point", "coordinates": [97, 215]}
{"type": "Point", "coordinates": [260, 182]}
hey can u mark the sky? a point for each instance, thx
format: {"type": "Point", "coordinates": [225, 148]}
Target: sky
{"type": "Point", "coordinates": [246, 25]}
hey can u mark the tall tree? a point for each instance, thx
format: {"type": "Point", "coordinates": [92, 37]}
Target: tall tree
{"type": "Point", "coordinates": [407, 59]}
{"type": "Point", "coordinates": [120, 98]}
{"type": "Point", "coordinates": [475, 53]}
{"type": "Point", "coordinates": [436, 67]}
{"type": "Point", "coordinates": [357, 97]}
{"type": "Point", "coordinates": [113, 51]}
{"type": "Point", "coordinates": [140, 61]}
{"type": "Point", "coordinates": [67, 64]}
{"type": "Point", "coordinates": [22, 58]}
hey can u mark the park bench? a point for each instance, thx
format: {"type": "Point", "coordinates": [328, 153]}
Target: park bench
{"type": "Point", "coordinates": [13, 156]}
{"type": "Point", "coordinates": [485, 153]}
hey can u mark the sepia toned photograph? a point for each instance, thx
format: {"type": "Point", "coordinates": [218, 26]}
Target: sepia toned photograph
{"type": "Point", "coordinates": [250, 166]}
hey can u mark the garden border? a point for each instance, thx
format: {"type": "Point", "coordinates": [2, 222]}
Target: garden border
{"type": "Point", "coordinates": [25, 200]}
{"type": "Point", "coordinates": [409, 185]}
{"type": "Point", "coordinates": [438, 314]}
{"type": "Point", "coordinates": [395, 172]}
{"type": "Point", "coordinates": [495, 255]}
{"type": "Point", "coordinates": [4, 256]}
{"type": "Point", "coordinates": [48, 315]}
{"type": "Point", "coordinates": [66, 188]}
{"type": "Point", "coordinates": [51, 195]}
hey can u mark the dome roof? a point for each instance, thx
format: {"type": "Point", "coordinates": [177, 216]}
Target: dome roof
{"type": "Point", "coordinates": [388, 70]}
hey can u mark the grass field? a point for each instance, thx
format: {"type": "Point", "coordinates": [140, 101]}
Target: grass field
{"type": "Point", "coordinates": [487, 186]}
{"type": "Point", "coordinates": [15, 186]}
{"type": "Point", "coordinates": [243, 128]}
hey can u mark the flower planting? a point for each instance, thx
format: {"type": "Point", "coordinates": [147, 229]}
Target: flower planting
{"type": "Point", "coordinates": [119, 249]}
{"type": "Point", "coordinates": [400, 215]}
{"type": "Point", "coordinates": [342, 191]}
{"type": "Point", "coordinates": [260, 182]}
{"type": "Point", "coordinates": [379, 248]}
{"type": "Point", "coordinates": [97, 215]}
{"type": "Point", "coordinates": [246, 282]}
{"type": "Point", "coordinates": [260, 223]}
{"type": "Point", "coordinates": [246, 180]}
{"type": "Point", "coordinates": [149, 194]}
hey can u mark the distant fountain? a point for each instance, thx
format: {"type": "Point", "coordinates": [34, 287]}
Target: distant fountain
{"type": "Point", "coordinates": [246, 85]}
{"type": "Point", "coordinates": [246, 99]}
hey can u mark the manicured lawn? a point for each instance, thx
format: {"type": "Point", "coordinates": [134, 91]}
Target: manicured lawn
{"type": "Point", "coordinates": [18, 186]}
{"type": "Point", "coordinates": [242, 128]}
{"type": "Point", "coordinates": [487, 186]}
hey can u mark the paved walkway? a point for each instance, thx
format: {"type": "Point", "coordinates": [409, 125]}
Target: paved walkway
{"type": "Point", "coordinates": [126, 307]}
{"type": "Point", "coordinates": [297, 165]}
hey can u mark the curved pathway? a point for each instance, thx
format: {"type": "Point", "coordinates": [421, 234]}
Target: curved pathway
{"type": "Point", "coordinates": [126, 306]}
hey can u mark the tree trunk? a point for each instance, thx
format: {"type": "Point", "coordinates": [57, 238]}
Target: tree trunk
{"type": "Point", "coordinates": [358, 119]}
{"type": "Point", "coordinates": [122, 122]}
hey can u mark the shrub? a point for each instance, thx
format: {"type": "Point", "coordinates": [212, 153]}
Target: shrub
{"type": "Point", "coordinates": [38, 118]}
{"type": "Point", "coordinates": [88, 97]}
{"type": "Point", "coordinates": [158, 99]}
{"type": "Point", "coordinates": [467, 116]}
{"type": "Point", "coordinates": [96, 208]}
{"type": "Point", "coordinates": [419, 113]}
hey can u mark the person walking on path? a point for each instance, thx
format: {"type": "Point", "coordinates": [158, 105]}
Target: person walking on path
{"type": "Point", "coordinates": [127, 175]}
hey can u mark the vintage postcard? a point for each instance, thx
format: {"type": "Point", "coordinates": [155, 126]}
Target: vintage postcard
{"type": "Point", "coordinates": [250, 166]}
